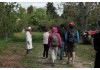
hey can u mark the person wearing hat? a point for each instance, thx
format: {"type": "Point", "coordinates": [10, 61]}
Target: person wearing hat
{"type": "Point", "coordinates": [71, 40]}
{"type": "Point", "coordinates": [28, 40]}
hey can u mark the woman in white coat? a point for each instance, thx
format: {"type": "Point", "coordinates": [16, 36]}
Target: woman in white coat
{"type": "Point", "coordinates": [28, 40]}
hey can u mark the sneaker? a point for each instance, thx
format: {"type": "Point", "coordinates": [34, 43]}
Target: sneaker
{"type": "Point", "coordinates": [46, 58]}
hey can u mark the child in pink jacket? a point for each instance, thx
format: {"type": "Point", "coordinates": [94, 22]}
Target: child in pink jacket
{"type": "Point", "coordinates": [54, 49]}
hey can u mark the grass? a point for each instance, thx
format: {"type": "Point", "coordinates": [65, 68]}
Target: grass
{"type": "Point", "coordinates": [17, 46]}
{"type": "Point", "coordinates": [86, 52]}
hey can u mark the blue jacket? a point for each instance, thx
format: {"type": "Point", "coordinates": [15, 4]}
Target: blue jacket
{"type": "Point", "coordinates": [77, 37]}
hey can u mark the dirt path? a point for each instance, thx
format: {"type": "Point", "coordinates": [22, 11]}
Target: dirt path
{"type": "Point", "coordinates": [82, 64]}
{"type": "Point", "coordinates": [10, 61]}
{"type": "Point", "coordinates": [63, 63]}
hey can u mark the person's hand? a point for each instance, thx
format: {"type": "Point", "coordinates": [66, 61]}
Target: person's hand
{"type": "Point", "coordinates": [59, 46]}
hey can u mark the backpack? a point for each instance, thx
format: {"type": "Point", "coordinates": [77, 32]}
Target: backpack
{"type": "Point", "coordinates": [54, 40]}
{"type": "Point", "coordinates": [71, 36]}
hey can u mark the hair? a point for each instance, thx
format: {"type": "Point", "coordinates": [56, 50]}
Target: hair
{"type": "Point", "coordinates": [62, 25]}
{"type": "Point", "coordinates": [47, 29]}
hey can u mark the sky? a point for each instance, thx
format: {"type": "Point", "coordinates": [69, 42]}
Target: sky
{"type": "Point", "coordinates": [42, 5]}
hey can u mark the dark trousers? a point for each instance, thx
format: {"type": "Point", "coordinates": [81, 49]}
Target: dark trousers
{"type": "Point", "coordinates": [27, 51]}
{"type": "Point", "coordinates": [97, 60]}
{"type": "Point", "coordinates": [46, 49]}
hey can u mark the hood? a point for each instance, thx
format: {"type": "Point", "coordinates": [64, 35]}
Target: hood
{"type": "Point", "coordinates": [54, 30]}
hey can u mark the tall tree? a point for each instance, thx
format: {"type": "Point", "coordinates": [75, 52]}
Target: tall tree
{"type": "Point", "coordinates": [8, 18]}
{"type": "Point", "coordinates": [51, 10]}
{"type": "Point", "coordinates": [30, 9]}
{"type": "Point", "coordinates": [22, 20]}
{"type": "Point", "coordinates": [38, 17]}
{"type": "Point", "coordinates": [81, 13]}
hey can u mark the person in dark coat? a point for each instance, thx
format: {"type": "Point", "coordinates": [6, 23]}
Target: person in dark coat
{"type": "Point", "coordinates": [96, 42]}
{"type": "Point", "coordinates": [62, 34]}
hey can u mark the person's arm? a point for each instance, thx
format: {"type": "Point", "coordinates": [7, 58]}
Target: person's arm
{"type": "Point", "coordinates": [66, 37]}
{"type": "Point", "coordinates": [77, 36]}
{"type": "Point", "coordinates": [27, 37]}
{"type": "Point", "coordinates": [49, 39]}
{"type": "Point", "coordinates": [60, 40]}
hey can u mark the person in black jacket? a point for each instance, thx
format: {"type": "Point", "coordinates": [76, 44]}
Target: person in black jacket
{"type": "Point", "coordinates": [62, 34]}
{"type": "Point", "coordinates": [96, 42]}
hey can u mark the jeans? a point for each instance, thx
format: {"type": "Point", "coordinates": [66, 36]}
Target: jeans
{"type": "Point", "coordinates": [62, 50]}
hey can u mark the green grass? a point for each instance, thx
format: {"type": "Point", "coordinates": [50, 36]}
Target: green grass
{"type": "Point", "coordinates": [85, 52]}
{"type": "Point", "coordinates": [17, 46]}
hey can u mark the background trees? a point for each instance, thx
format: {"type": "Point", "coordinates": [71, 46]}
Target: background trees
{"type": "Point", "coordinates": [84, 14]}
{"type": "Point", "coordinates": [14, 18]}
{"type": "Point", "coordinates": [8, 17]}
{"type": "Point", "coordinates": [22, 19]}
{"type": "Point", "coordinates": [51, 10]}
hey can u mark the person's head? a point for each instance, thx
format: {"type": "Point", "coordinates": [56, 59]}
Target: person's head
{"type": "Point", "coordinates": [62, 26]}
{"type": "Point", "coordinates": [47, 29]}
{"type": "Point", "coordinates": [71, 24]}
{"type": "Point", "coordinates": [29, 29]}
{"type": "Point", "coordinates": [54, 29]}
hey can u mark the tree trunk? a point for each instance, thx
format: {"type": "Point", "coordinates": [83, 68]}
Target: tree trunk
{"type": "Point", "coordinates": [85, 24]}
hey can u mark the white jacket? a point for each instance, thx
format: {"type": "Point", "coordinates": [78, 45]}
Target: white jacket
{"type": "Point", "coordinates": [28, 36]}
{"type": "Point", "coordinates": [45, 37]}
{"type": "Point", "coordinates": [29, 39]}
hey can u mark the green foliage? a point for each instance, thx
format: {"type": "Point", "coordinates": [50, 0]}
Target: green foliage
{"type": "Point", "coordinates": [22, 20]}
{"type": "Point", "coordinates": [21, 37]}
{"type": "Point", "coordinates": [87, 51]}
{"type": "Point", "coordinates": [15, 18]}
{"type": "Point", "coordinates": [30, 9]}
{"type": "Point", "coordinates": [8, 19]}
{"type": "Point", "coordinates": [37, 37]}
{"type": "Point", "coordinates": [83, 14]}
{"type": "Point", "coordinates": [33, 20]}
{"type": "Point", "coordinates": [51, 10]}
{"type": "Point", "coordinates": [40, 19]}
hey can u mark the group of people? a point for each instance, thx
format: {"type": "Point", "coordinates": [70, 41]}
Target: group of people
{"type": "Point", "coordinates": [66, 41]}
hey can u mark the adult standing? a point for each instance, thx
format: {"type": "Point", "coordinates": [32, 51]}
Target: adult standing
{"type": "Point", "coordinates": [96, 41]}
{"type": "Point", "coordinates": [62, 34]}
{"type": "Point", "coordinates": [54, 41]}
{"type": "Point", "coordinates": [45, 43]}
{"type": "Point", "coordinates": [71, 38]}
{"type": "Point", "coordinates": [28, 40]}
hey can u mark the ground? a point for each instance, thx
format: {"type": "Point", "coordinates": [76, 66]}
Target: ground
{"type": "Point", "coordinates": [13, 56]}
